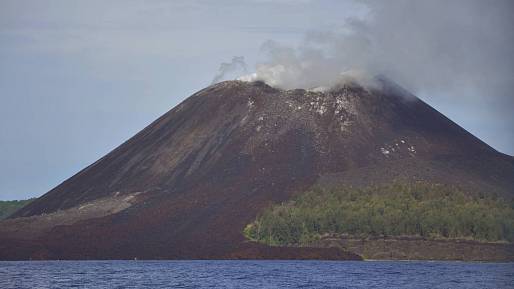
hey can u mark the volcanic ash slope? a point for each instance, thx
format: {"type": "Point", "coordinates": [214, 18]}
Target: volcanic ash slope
{"type": "Point", "coordinates": [186, 185]}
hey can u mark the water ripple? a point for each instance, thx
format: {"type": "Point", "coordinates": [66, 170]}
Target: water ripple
{"type": "Point", "coordinates": [254, 274]}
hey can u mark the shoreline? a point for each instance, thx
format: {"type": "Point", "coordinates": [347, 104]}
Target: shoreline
{"type": "Point", "coordinates": [418, 249]}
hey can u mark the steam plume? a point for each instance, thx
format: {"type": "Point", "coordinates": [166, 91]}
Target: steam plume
{"type": "Point", "coordinates": [237, 63]}
{"type": "Point", "coordinates": [424, 45]}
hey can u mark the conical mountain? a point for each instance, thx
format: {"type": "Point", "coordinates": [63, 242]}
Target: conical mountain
{"type": "Point", "coordinates": [186, 185]}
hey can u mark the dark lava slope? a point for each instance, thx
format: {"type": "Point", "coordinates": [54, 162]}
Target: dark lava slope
{"type": "Point", "coordinates": [185, 186]}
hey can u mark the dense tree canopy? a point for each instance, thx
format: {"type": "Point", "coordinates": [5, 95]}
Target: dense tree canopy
{"type": "Point", "coordinates": [399, 209]}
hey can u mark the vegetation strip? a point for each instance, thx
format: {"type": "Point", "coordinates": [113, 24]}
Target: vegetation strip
{"type": "Point", "coordinates": [431, 211]}
{"type": "Point", "coordinates": [9, 207]}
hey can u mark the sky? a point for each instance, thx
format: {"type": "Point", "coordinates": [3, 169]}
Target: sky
{"type": "Point", "coordinates": [78, 78]}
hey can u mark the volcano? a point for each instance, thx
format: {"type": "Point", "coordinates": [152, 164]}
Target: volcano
{"type": "Point", "coordinates": [186, 185]}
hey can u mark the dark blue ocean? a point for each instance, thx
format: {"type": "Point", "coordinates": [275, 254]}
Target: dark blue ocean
{"type": "Point", "coordinates": [254, 274]}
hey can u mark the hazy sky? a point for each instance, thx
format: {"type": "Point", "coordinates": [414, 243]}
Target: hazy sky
{"type": "Point", "coordinates": [77, 78]}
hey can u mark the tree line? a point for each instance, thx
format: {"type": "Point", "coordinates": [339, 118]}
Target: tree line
{"type": "Point", "coordinates": [9, 207]}
{"type": "Point", "coordinates": [399, 209]}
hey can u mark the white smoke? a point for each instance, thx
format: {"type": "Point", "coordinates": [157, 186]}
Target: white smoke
{"type": "Point", "coordinates": [437, 44]}
{"type": "Point", "coordinates": [237, 64]}
{"type": "Point", "coordinates": [322, 60]}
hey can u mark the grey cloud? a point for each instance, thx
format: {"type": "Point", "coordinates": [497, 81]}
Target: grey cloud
{"type": "Point", "coordinates": [424, 45]}
{"type": "Point", "coordinates": [237, 64]}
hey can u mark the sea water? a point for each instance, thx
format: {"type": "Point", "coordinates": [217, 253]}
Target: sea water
{"type": "Point", "coordinates": [255, 274]}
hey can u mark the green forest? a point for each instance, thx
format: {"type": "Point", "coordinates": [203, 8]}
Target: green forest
{"type": "Point", "coordinates": [400, 209]}
{"type": "Point", "coordinates": [9, 207]}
